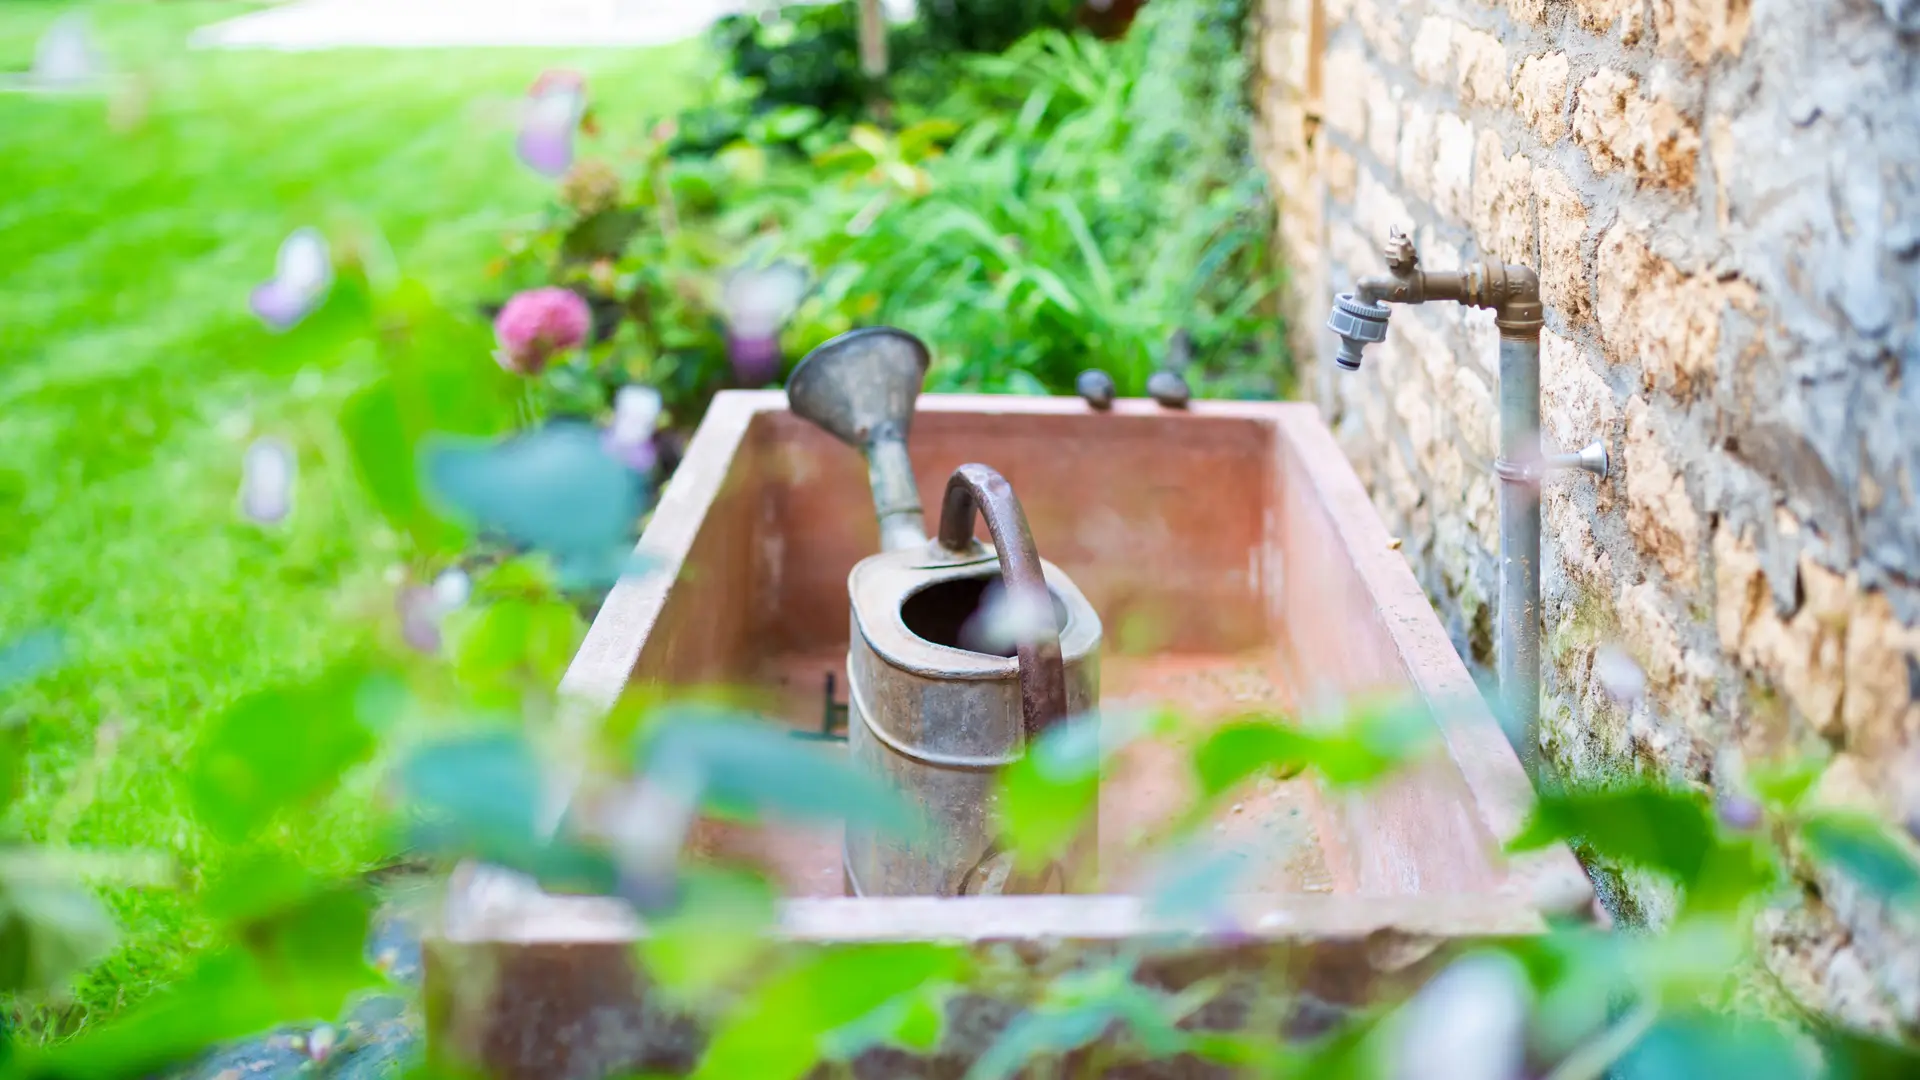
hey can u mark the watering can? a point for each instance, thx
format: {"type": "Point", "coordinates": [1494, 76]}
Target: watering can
{"type": "Point", "coordinates": [936, 706]}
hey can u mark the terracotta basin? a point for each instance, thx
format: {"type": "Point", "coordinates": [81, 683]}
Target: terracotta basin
{"type": "Point", "coordinates": [1236, 563]}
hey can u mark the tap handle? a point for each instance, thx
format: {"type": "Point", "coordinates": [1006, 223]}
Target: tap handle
{"type": "Point", "coordinates": [1043, 678]}
{"type": "Point", "coordinates": [1401, 256]}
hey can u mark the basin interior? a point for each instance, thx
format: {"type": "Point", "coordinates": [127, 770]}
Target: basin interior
{"type": "Point", "coordinates": [1235, 563]}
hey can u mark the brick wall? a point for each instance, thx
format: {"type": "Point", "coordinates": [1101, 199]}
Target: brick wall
{"type": "Point", "coordinates": [1722, 198]}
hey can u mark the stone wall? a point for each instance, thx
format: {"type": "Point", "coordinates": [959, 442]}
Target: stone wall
{"type": "Point", "coordinates": [1722, 198]}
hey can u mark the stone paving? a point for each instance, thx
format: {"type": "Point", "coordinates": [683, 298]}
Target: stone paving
{"type": "Point", "coordinates": [377, 1039]}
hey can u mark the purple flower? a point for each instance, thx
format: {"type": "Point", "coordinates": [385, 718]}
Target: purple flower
{"type": "Point", "coordinates": [537, 324]}
{"type": "Point", "coordinates": [303, 272]}
{"type": "Point", "coordinates": [755, 360]}
{"type": "Point", "coordinates": [756, 303]}
{"type": "Point", "coordinates": [266, 481]}
{"type": "Point", "coordinates": [554, 108]}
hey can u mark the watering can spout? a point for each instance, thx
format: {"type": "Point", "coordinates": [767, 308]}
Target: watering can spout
{"type": "Point", "coordinates": [861, 388]}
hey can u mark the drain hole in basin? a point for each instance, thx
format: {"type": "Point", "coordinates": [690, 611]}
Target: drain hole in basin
{"type": "Point", "coordinates": [948, 613]}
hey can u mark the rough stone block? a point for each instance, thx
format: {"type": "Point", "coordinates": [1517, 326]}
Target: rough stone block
{"type": "Point", "coordinates": [1383, 121]}
{"type": "Point", "coordinates": [1417, 151]}
{"type": "Point", "coordinates": [1576, 405]}
{"type": "Point", "coordinates": [1377, 210]}
{"type": "Point", "coordinates": [1532, 12]}
{"type": "Point", "coordinates": [1481, 63]}
{"type": "Point", "coordinates": [1432, 50]}
{"type": "Point", "coordinates": [1381, 24]}
{"type": "Point", "coordinates": [1413, 403]}
{"type": "Point", "coordinates": [1339, 170]}
{"type": "Point", "coordinates": [1453, 168]}
{"type": "Point", "coordinates": [1619, 128]}
{"type": "Point", "coordinates": [1563, 236]}
{"type": "Point", "coordinates": [1701, 28]}
{"type": "Point", "coordinates": [1540, 94]}
{"type": "Point", "coordinates": [1653, 315]}
{"type": "Point", "coordinates": [1660, 513]}
{"type": "Point", "coordinates": [1502, 202]}
{"type": "Point", "coordinates": [1882, 663]}
{"type": "Point", "coordinates": [1805, 655]}
{"type": "Point", "coordinates": [1346, 112]}
{"type": "Point", "coordinates": [1473, 412]}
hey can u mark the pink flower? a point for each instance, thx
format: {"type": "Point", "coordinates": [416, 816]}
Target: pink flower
{"type": "Point", "coordinates": [537, 324]}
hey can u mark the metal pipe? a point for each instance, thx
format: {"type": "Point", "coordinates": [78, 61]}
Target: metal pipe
{"type": "Point", "coordinates": [1518, 653]}
{"type": "Point", "coordinates": [1512, 292]}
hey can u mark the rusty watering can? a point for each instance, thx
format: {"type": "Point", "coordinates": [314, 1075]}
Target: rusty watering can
{"type": "Point", "coordinates": [934, 705]}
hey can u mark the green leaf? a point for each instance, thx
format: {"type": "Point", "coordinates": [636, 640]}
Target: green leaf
{"type": "Point", "coordinates": [284, 746]}
{"type": "Point", "coordinates": [751, 766]}
{"type": "Point", "coordinates": [1699, 1045]}
{"type": "Point", "coordinates": [50, 931]}
{"type": "Point", "coordinates": [601, 236]}
{"type": "Point", "coordinates": [30, 656]}
{"type": "Point", "coordinates": [1853, 1055]}
{"type": "Point", "coordinates": [1860, 848]}
{"type": "Point", "coordinates": [1667, 831]}
{"type": "Point", "coordinates": [1240, 749]}
{"type": "Point", "coordinates": [714, 934]}
{"type": "Point", "coordinates": [257, 886]}
{"type": "Point", "coordinates": [776, 1034]}
{"type": "Point", "coordinates": [478, 796]}
{"type": "Point", "coordinates": [1782, 786]}
{"type": "Point", "coordinates": [556, 490]}
{"type": "Point", "coordinates": [299, 967]}
{"type": "Point", "coordinates": [1041, 1033]}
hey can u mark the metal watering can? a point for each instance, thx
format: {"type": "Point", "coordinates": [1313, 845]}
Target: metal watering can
{"type": "Point", "coordinates": [929, 708]}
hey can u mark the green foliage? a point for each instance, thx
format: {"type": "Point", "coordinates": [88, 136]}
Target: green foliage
{"type": "Point", "coordinates": [1861, 848]}
{"type": "Point", "coordinates": [283, 747]}
{"type": "Point", "coordinates": [777, 1031]}
{"type": "Point", "coordinates": [748, 766]}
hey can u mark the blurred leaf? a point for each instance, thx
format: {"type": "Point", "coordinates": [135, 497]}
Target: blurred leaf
{"type": "Point", "coordinates": [500, 646]}
{"type": "Point", "coordinates": [751, 766]}
{"type": "Point", "coordinates": [478, 796]}
{"type": "Point", "coordinates": [1194, 882]}
{"type": "Point", "coordinates": [1853, 1055]}
{"type": "Point", "coordinates": [1240, 749]}
{"type": "Point", "coordinates": [50, 931]}
{"type": "Point", "coordinates": [776, 1033]}
{"type": "Point", "coordinates": [555, 489]}
{"type": "Point", "coordinates": [297, 968]}
{"type": "Point", "coordinates": [716, 932]}
{"type": "Point", "coordinates": [285, 746]}
{"type": "Point", "coordinates": [30, 656]}
{"type": "Point", "coordinates": [601, 236]}
{"type": "Point", "coordinates": [313, 954]}
{"type": "Point", "coordinates": [1048, 796]}
{"type": "Point", "coordinates": [257, 886]}
{"type": "Point", "coordinates": [1861, 848]}
{"type": "Point", "coordinates": [1667, 831]}
{"type": "Point", "coordinates": [1782, 786]}
{"type": "Point", "coordinates": [1693, 1045]}
{"type": "Point", "coordinates": [1043, 1033]}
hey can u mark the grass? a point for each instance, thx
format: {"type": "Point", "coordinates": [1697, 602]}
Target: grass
{"type": "Point", "coordinates": [132, 377]}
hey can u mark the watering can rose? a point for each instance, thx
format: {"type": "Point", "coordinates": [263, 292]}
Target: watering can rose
{"type": "Point", "coordinates": [539, 324]}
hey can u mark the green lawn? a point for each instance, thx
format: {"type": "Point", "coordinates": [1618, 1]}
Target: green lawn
{"type": "Point", "coordinates": [130, 234]}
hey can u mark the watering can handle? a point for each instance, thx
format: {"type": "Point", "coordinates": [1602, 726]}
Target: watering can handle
{"type": "Point", "coordinates": [1043, 678]}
